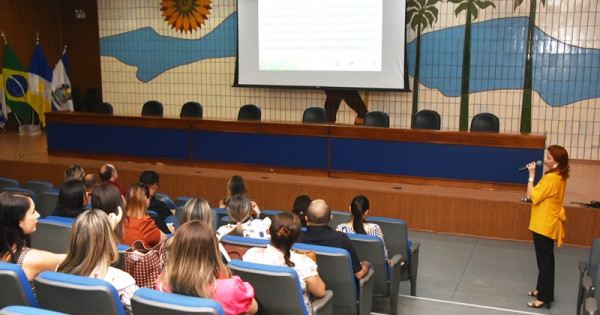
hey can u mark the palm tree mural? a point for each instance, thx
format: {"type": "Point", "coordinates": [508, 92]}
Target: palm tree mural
{"type": "Point", "coordinates": [528, 82]}
{"type": "Point", "coordinates": [472, 9]}
{"type": "Point", "coordinates": [420, 14]}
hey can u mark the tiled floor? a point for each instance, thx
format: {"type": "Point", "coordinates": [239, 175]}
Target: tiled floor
{"type": "Point", "coordinates": [466, 275]}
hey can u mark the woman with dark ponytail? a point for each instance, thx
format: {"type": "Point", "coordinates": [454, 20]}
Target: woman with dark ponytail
{"type": "Point", "coordinates": [358, 225]}
{"type": "Point", "coordinates": [285, 231]}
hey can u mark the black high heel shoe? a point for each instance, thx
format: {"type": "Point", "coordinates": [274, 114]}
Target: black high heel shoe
{"type": "Point", "coordinates": [533, 305]}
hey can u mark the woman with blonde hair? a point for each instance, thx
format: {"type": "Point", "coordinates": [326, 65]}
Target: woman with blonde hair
{"type": "Point", "coordinates": [92, 251]}
{"type": "Point", "coordinates": [138, 224]}
{"type": "Point", "coordinates": [18, 219]}
{"type": "Point", "coordinates": [195, 209]}
{"type": "Point", "coordinates": [239, 210]}
{"type": "Point", "coordinates": [195, 268]}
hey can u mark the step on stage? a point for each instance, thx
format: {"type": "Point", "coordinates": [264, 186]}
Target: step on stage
{"type": "Point", "coordinates": [487, 212]}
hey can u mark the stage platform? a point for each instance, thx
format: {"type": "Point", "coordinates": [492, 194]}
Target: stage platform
{"type": "Point", "coordinates": [490, 213]}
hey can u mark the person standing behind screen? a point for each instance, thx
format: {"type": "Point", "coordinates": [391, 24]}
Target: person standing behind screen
{"type": "Point", "coordinates": [547, 217]}
{"type": "Point", "coordinates": [351, 97]}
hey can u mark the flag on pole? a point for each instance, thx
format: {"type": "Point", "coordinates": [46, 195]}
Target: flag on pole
{"type": "Point", "coordinates": [14, 82]}
{"type": "Point", "coordinates": [61, 85]}
{"type": "Point", "coordinates": [3, 113]}
{"type": "Point", "coordinates": [40, 82]}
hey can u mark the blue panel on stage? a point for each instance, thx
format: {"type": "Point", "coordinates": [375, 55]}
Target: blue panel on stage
{"type": "Point", "coordinates": [261, 149]}
{"type": "Point", "coordinates": [119, 140]}
{"type": "Point", "coordinates": [460, 162]}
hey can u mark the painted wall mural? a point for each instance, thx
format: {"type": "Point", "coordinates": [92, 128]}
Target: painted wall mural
{"type": "Point", "coordinates": [197, 59]}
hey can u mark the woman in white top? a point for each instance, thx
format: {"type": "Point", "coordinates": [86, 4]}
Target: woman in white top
{"type": "Point", "coordinates": [285, 231]}
{"type": "Point", "coordinates": [359, 208]}
{"type": "Point", "coordinates": [239, 210]}
{"type": "Point", "coordinates": [92, 251]}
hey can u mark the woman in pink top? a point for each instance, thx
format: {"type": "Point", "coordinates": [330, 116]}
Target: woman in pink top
{"type": "Point", "coordinates": [195, 268]}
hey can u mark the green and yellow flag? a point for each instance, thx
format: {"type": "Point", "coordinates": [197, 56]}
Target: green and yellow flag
{"type": "Point", "coordinates": [15, 85]}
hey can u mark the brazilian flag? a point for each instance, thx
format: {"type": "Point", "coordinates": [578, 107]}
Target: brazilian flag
{"type": "Point", "coordinates": [16, 86]}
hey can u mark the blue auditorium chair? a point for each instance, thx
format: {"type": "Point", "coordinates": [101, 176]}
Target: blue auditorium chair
{"type": "Point", "coordinates": [387, 277]}
{"type": "Point", "coordinates": [27, 310]}
{"type": "Point", "coordinates": [47, 203]}
{"type": "Point", "coordinates": [76, 295]}
{"type": "Point", "coordinates": [15, 288]}
{"type": "Point", "coordinates": [8, 182]}
{"type": "Point", "coordinates": [277, 289]}
{"type": "Point", "coordinates": [395, 234]}
{"type": "Point", "coordinates": [52, 234]}
{"type": "Point", "coordinates": [588, 274]}
{"type": "Point", "coordinates": [339, 217]}
{"type": "Point", "coordinates": [268, 213]}
{"type": "Point", "coordinates": [148, 301]}
{"type": "Point", "coordinates": [351, 297]}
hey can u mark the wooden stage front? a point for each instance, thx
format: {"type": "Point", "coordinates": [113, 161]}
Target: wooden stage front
{"type": "Point", "coordinates": [490, 212]}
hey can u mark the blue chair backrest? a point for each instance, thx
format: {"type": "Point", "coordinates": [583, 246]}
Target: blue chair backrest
{"type": "Point", "coordinates": [47, 203]}
{"type": "Point", "coordinates": [52, 235]}
{"type": "Point", "coordinates": [245, 241]}
{"type": "Point", "coordinates": [22, 190]}
{"type": "Point", "coordinates": [15, 288]}
{"type": "Point", "coordinates": [8, 182]}
{"type": "Point", "coordinates": [56, 218]}
{"type": "Point", "coordinates": [73, 294]}
{"type": "Point", "coordinates": [339, 217]}
{"type": "Point", "coordinates": [594, 259]}
{"type": "Point", "coordinates": [395, 235]}
{"type": "Point", "coordinates": [276, 288]}
{"type": "Point", "coordinates": [148, 301]}
{"type": "Point", "coordinates": [38, 186]}
{"type": "Point", "coordinates": [27, 310]}
{"type": "Point", "coordinates": [269, 213]}
{"type": "Point", "coordinates": [180, 201]}
{"type": "Point", "coordinates": [335, 268]}
{"type": "Point", "coordinates": [371, 248]}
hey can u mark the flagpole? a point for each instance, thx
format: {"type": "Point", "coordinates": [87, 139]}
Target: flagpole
{"type": "Point", "coordinates": [6, 43]}
{"type": "Point", "coordinates": [37, 42]}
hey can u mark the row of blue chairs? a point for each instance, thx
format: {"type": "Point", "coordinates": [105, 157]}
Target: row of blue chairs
{"type": "Point", "coordinates": [589, 279]}
{"type": "Point", "coordinates": [70, 294]}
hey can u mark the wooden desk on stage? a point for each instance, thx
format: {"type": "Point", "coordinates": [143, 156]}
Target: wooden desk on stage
{"type": "Point", "coordinates": [332, 150]}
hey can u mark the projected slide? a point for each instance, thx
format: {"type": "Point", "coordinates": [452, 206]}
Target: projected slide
{"type": "Point", "coordinates": [341, 36]}
{"type": "Point", "coordinates": [348, 44]}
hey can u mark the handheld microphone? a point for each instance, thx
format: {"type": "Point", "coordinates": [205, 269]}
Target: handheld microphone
{"type": "Point", "coordinates": [538, 163]}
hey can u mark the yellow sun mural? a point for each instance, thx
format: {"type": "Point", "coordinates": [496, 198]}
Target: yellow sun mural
{"type": "Point", "coordinates": [185, 15]}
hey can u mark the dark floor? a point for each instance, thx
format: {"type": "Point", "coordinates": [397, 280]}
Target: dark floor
{"type": "Point", "coordinates": [467, 275]}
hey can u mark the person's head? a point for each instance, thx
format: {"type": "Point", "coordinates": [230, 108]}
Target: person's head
{"type": "Point", "coordinates": [195, 209]}
{"type": "Point", "coordinates": [236, 186]}
{"type": "Point", "coordinates": [194, 260]}
{"type": "Point", "coordinates": [359, 208]}
{"type": "Point", "coordinates": [107, 198]}
{"type": "Point", "coordinates": [74, 172]}
{"type": "Point", "coordinates": [150, 179]}
{"type": "Point", "coordinates": [557, 159]}
{"type": "Point", "coordinates": [318, 213]}
{"type": "Point", "coordinates": [300, 205]}
{"type": "Point", "coordinates": [18, 219]}
{"type": "Point", "coordinates": [138, 200]}
{"type": "Point", "coordinates": [91, 181]}
{"type": "Point", "coordinates": [72, 197]}
{"type": "Point", "coordinates": [239, 210]}
{"type": "Point", "coordinates": [285, 231]}
{"type": "Point", "coordinates": [92, 245]}
{"type": "Point", "coordinates": [108, 172]}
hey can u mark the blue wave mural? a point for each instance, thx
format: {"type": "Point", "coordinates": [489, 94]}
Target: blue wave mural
{"type": "Point", "coordinates": [563, 74]}
{"type": "Point", "coordinates": [154, 54]}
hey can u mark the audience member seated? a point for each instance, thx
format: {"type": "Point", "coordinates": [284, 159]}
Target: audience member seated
{"type": "Point", "coordinates": [72, 199]}
{"type": "Point", "coordinates": [18, 219]}
{"type": "Point", "coordinates": [285, 231]}
{"type": "Point", "coordinates": [92, 251]}
{"type": "Point", "coordinates": [195, 209]}
{"type": "Point", "coordinates": [109, 174]}
{"type": "Point", "coordinates": [107, 198]}
{"type": "Point", "coordinates": [150, 179]}
{"type": "Point", "coordinates": [237, 186]}
{"type": "Point", "coordinates": [300, 205]}
{"type": "Point", "coordinates": [73, 172]}
{"type": "Point", "coordinates": [318, 232]}
{"type": "Point", "coordinates": [90, 181]}
{"type": "Point", "coordinates": [138, 224]}
{"type": "Point", "coordinates": [239, 209]}
{"type": "Point", "coordinates": [195, 268]}
{"type": "Point", "coordinates": [359, 208]}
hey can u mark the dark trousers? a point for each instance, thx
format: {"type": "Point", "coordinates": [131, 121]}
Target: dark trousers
{"type": "Point", "coordinates": [351, 97]}
{"type": "Point", "coordinates": [544, 254]}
